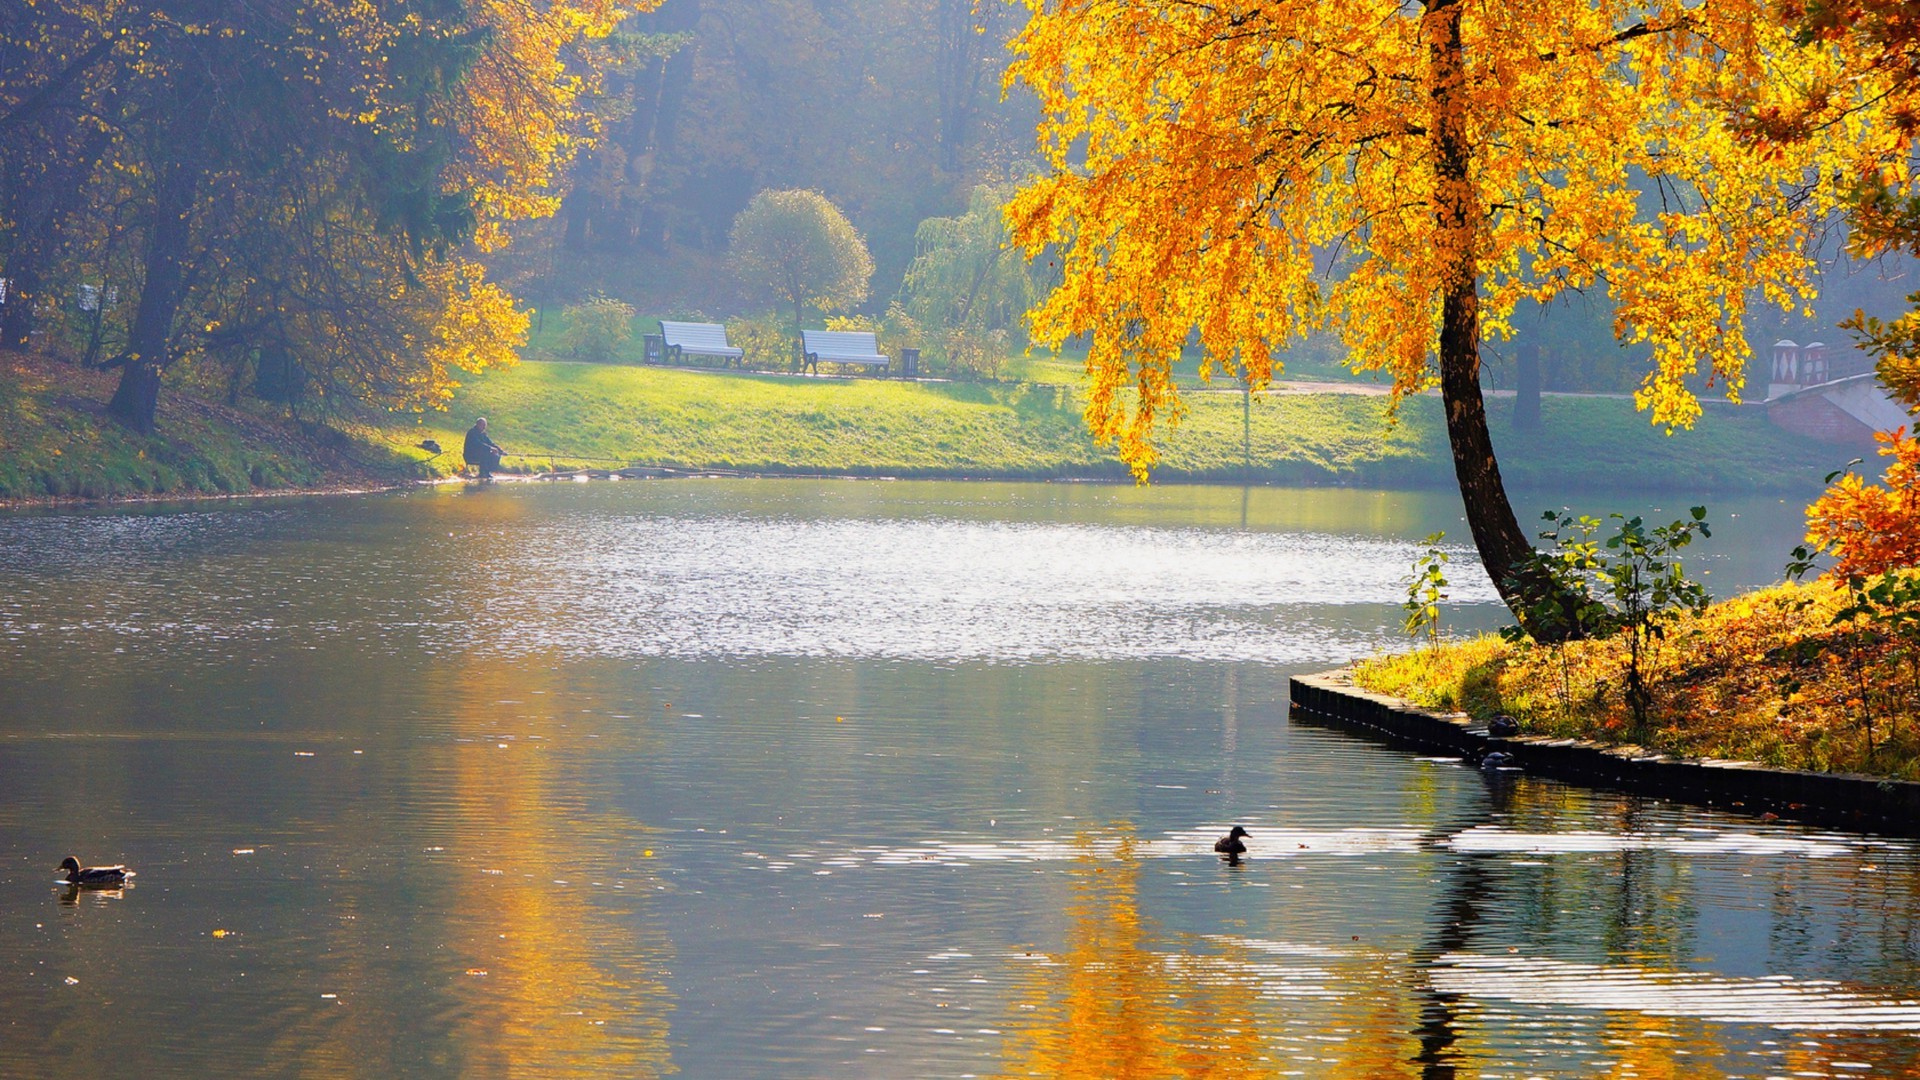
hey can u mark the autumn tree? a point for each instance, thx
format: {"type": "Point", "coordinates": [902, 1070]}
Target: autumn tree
{"type": "Point", "coordinates": [1872, 528]}
{"type": "Point", "coordinates": [801, 249]}
{"type": "Point", "coordinates": [1880, 41]}
{"type": "Point", "coordinates": [310, 181]}
{"type": "Point", "coordinates": [56, 60]}
{"type": "Point", "coordinates": [1406, 174]}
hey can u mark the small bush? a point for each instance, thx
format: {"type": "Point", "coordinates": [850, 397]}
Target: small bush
{"type": "Point", "coordinates": [597, 329]}
{"type": "Point", "coordinates": [766, 340]}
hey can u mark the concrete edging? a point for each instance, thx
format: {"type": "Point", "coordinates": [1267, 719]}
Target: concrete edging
{"type": "Point", "coordinates": [1845, 799]}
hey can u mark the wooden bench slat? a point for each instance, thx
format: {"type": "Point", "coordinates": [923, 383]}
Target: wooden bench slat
{"type": "Point", "coordinates": [703, 339]}
{"type": "Point", "coordinates": [843, 347]}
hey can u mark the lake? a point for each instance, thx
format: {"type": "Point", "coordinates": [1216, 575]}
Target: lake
{"type": "Point", "coordinates": [805, 778]}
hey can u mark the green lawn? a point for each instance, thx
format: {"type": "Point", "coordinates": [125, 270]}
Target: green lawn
{"type": "Point", "coordinates": [55, 439]}
{"type": "Point", "coordinates": [586, 413]}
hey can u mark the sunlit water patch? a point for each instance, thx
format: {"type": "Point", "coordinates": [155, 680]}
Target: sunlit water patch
{"type": "Point", "coordinates": [1490, 838]}
{"type": "Point", "coordinates": [946, 590]}
{"type": "Point", "coordinates": [1780, 1001]}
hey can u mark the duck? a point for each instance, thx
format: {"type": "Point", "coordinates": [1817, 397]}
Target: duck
{"type": "Point", "coordinates": [94, 875]}
{"type": "Point", "coordinates": [1503, 727]}
{"type": "Point", "coordinates": [1230, 845]}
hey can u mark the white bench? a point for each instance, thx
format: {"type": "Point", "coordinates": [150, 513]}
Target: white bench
{"type": "Point", "coordinates": [840, 347]}
{"type": "Point", "coordinates": [697, 339]}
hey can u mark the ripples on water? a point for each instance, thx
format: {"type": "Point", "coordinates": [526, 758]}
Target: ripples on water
{"type": "Point", "coordinates": [806, 779]}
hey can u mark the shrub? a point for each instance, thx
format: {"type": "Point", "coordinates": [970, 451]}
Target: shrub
{"type": "Point", "coordinates": [766, 341]}
{"type": "Point", "coordinates": [1872, 529]}
{"type": "Point", "coordinates": [597, 328]}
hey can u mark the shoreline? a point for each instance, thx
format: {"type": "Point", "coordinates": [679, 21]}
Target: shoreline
{"type": "Point", "coordinates": [369, 486]}
{"type": "Point", "coordinates": [1845, 800]}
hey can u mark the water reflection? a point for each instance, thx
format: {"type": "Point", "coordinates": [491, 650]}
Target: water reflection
{"type": "Point", "coordinates": [452, 908]}
{"type": "Point", "coordinates": [1126, 997]}
{"type": "Point", "coordinates": [1111, 1004]}
{"type": "Point", "coordinates": [682, 785]}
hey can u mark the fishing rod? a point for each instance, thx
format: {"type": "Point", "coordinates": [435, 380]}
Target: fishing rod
{"type": "Point", "coordinates": [552, 454]}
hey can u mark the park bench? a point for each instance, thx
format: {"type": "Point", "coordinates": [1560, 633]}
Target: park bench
{"type": "Point", "coordinates": [840, 347]}
{"type": "Point", "coordinates": [683, 339]}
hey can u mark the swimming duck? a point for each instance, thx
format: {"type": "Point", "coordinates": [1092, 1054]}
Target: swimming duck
{"type": "Point", "coordinates": [1230, 844]}
{"type": "Point", "coordinates": [93, 875]}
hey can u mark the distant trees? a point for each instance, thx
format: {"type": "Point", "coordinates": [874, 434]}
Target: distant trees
{"type": "Point", "coordinates": [967, 290]}
{"type": "Point", "coordinates": [1407, 175]}
{"type": "Point", "coordinates": [305, 181]}
{"type": "Point", "coordinates": [900, 116]}
{"type": "Point", "coordinates": [800, 248]}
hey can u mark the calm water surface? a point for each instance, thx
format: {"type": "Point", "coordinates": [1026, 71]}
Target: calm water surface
{"type": "Point", "coordinates": [821, 779]}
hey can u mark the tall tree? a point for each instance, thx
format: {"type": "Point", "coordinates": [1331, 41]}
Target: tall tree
{"type": "Point", "coordinates": [799, 247]}
{"type": "Point", "coordinates": [311, 179]}
{"type": "Point", "coordinates": [966, 289]}
{"type": "Point", "coordinates": [1407, 174]}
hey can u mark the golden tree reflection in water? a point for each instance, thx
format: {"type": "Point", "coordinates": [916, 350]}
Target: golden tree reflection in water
{"type": "Point", "coordinates": [1120, 1002]}
{"type": "Point", "coordinates": [521, 939]}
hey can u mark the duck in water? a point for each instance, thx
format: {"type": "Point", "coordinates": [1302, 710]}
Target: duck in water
{"type": "Point", "coordinates": [1231, 845]}
{"type": "Point", "coordinates": [94, 875]}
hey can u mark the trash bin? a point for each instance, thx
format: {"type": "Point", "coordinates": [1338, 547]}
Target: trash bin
{"type": "Point", "coordinates": [653, 349]}
{"type": "Point", "coordinates": [909, 363]}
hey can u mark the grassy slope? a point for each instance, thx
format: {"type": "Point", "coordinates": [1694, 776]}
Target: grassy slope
{"type": "Point", "coordinates": [677, 417]}
{"type": "Point", "coordinates": [57, 441]}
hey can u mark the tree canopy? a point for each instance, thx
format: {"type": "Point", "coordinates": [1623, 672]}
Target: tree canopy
{"type": "Point", "coordinates": [1406, 175]}
{"type": "Point", "coordinates": [311, 180]}
{"type": "Point", "coordinates": [802, 249]}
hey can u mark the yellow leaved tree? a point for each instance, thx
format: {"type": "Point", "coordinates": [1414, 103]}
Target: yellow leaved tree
{"type": "Point", "coordinates": [299, 188]}
{"type": "Point", "coordinates": [1404, 174]}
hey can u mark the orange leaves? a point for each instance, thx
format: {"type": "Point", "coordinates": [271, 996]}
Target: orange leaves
{"type": "Point", "coordinates": [1872, 529]}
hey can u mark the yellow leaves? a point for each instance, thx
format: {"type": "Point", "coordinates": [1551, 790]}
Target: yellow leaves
{"type": "Point", "coordinates": [1254, 175]}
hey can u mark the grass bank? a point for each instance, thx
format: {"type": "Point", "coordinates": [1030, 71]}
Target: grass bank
{"type": "Point", "coordinates": [580, 413]}
{"type": "Point", "coordinates": [57, 442]}
{"type": "Point", "coordinates": [1766, 677]}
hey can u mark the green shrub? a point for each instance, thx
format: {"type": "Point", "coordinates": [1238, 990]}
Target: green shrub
{"type": "Point", "coordinates": [766, 340]}
{"type": "Point", "coordinates": [598, 328]}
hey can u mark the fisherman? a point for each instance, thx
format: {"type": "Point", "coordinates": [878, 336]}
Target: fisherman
{"type": "Point", "coordinates": [482, 452]}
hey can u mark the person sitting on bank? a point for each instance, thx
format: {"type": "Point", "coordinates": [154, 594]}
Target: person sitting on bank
{"type": "Point", "coordinates": [481, 451]}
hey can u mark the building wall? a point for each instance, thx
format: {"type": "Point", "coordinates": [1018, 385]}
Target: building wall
{"type": "Point", "coordinates": [1815, 417]}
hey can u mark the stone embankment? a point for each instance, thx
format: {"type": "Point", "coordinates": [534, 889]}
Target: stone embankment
{"type": "Point", "coordinates": [1853, 801]}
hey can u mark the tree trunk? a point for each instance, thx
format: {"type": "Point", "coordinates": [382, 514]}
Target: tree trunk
{"type": "Point", "coordinates": [1504, 548]}
{"type": "Point", "coordinates": [137, 397]}
{"type": "Point", "coordinates": [16, 314]}
{"type": "Point", "coordinates": [799, 343]}
{"type": "Point", "coordinates": [149, 341]}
